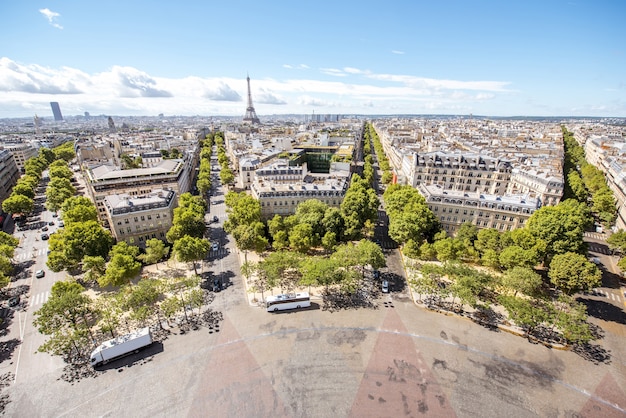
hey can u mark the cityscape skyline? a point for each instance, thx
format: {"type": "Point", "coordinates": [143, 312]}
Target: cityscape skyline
{"type": "Point", "coordinates": [564, 58]}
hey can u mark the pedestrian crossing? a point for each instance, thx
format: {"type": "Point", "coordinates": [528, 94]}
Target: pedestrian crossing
{"type": "Point", "coordinates": [595, 235]}
{"type": "Point", "coordinates": [606, 294]}
{"type": "Point", "coordinates": [30, 254]}
{"type": "Point", "coordinates": [39, 298]}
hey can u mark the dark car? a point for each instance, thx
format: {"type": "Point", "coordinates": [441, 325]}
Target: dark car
{"type": "Point", "coordinates": [14, 301]}
{"type": "Point", "coordinates": [44, 236]}
{"type": "Point", "coordinates": [217, 284]}
{"type": "Point", "coordinates": [376, 274]}
{"type": "Point", "coordinates": [54, 215]}
{"type": "Point", "coordinates": [45, 228]}
{"type": "Point", "coordinates": [51, 223]}
{"type": "Point", "coordinates": [215, 219]}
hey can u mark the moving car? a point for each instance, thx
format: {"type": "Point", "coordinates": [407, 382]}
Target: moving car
{"type": "Point", "coordinates": [51, 223]}
{"type": "Point", "coordinates": [39, 274]}
{"type": "Point", "coordinates": [45, 228]}
{"type": "Point", "coordinates": [215, 246]}
{"type": "Point", "coordinates": [215, 219]}
{"type": "Point", "coordinates": [217, 284]}
{"type": "Point", "coordinates": [376, 274]}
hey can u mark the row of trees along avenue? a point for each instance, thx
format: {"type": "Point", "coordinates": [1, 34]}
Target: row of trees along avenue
{"type": "Point", "coordinates": [121, 299]}
{"type": "Point", "coordinates": [486, 267]}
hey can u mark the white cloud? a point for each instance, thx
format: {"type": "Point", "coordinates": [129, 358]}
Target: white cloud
{"type": "Point", "coordinates": [51, 16]}
{"type": "Point", "coordinates": [296, 67]}
{"type": "Point", "coordinates": [333, 71]}
{"type": "Point", "coordinates": [126, 90]}
{"type": "Point", "coordinates": [395, 51]}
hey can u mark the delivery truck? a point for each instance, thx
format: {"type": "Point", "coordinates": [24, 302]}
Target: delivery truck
{"type": "Point", "coordinates": [121, 346]}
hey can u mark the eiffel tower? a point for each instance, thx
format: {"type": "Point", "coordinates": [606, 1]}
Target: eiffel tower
{"type": "Point", "coordinates": [250, 112]}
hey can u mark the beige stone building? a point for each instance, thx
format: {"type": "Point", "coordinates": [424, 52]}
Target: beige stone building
{"type": "Point", "coordinates": [136, 219]}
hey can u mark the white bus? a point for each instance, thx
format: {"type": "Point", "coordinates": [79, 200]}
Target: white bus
{"type": "Point", "coordinates": [287, 301]}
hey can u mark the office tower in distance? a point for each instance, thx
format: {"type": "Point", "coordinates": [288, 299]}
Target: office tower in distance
{"type": "Point", "coordinates": [56, 111]}
{"type": "Point", "coordinates": [250, 112]}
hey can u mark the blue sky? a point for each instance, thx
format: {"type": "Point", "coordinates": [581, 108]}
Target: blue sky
{"type": "Point", "coordinates": [495, 58]}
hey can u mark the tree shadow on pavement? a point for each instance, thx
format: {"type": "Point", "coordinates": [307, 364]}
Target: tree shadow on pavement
{"type": "Point", "coordinates": [604, 310]}
{"type": "Point", "coordinates": [7, 348]}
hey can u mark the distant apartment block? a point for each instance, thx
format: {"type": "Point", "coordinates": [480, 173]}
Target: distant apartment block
{"type": "Point", "coordinates": [21, 152]}
{"type": "Point", "coordinates": [520, 163]}
{"type": "Point", "coordinates": [454, 207]}
{"type": "Point", "coordinates": [280, 187]}
{"type": "Point", "coordinates": [56, 111]}
{"type": "Point", "coordinates": [9, 174]}
{"type": "Point", "coordinates": [108, 180]}
{"type": "Point", "coordinates": [136, 219]}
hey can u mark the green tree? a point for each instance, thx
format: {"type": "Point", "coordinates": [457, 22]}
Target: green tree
{"type": "Point", "coordinates": [61, 171]}
{"type": "Point", "coordinates": [59, 189]}
{"type": "Point", "coordinates": [572, 272]}
{"type": "Point", "coordinates": [526, 313]}
{"type": "Point", "coordinates": [17, 203]}
{"type": "Point", "coordinates": [250, 238]}
{"type": "Point", "coordinates": [329, 241]}
{"type": "Point", "coordinates": [522, 279]}
{"type": "Point", "coordinates": [141, 300]}
{"type": "Point", "coordinates": [515, 256]}
{"type": "Point", "coordinates": [155, 251]}
{"type": "Point", "coordinates": [320, 271]}
{"type": "Point", "coordinates": [561, 226]}
{"type": "Point", "coordinates": [191, 249]}
{"type": "Point", "coordinates": [69, 245]}
{"type": "Point", "coordinates": [109, 312]}
{"type": "Point", "coordinates": [617, 241]}
{"type": "Point", "coordinates": [242, 209]}
{"type": "Point", "coordinates": [226, 175]}
{"type": "Point", "coordinates": [94, 267]}
{"type": "Point", "coordinates": [64, 317]}
{"type": "Point", "coordinates": [122, 267]}
{"type": "Point", "coordinates": [301, 237]}
{"type": "Point", "coordinates": [23, 189]}
{"type": "Point", "coordinates": [79, 209]}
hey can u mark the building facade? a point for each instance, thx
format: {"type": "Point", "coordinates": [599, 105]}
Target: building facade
{"type": "Point", "coordinates": [9, 174]}
{"type": "Point", "coordinates": [136, 219]}
{"type": "Point", "coordinates": [454, 208]}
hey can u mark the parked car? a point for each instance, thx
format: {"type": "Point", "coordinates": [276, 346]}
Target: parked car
{"type": "Point", "coordinates": [54, 215]}
{"type": "Point", "coordinates": [215, 219]}
{"type": "Point", "coordinates": [14, 301]}
{"type": "Point", "coordinates": [39, 274]}
{"type": "Point", "coordinates": [385, 286]}
{"type": "Point", "coordinates": [45, 228]}
{"type": "Point", "coordinates": [215, 246]}
{"type": "Point", "coordinates": [61, 223]}
{"type": "Point", "coordinates": [51, 223]}
{"type": "Point", "coordinates": [44, 236]}
{"type": "Point", "coordinates": [217, 284]}
{"type": "Point", "coordinates": [376, 274]}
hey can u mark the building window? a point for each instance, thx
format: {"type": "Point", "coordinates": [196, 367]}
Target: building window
{"type": "Point", "coordinates": [126, 221]}
{"type": "Point", "coordinates": [136, 219]}
{"type": "Point", "coordinates": [149, 217]}
{"type": "Point", "coordinates": [143, 218]}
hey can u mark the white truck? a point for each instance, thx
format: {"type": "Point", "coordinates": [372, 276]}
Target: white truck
{"type": "Point", "coordinates": [121, 346]}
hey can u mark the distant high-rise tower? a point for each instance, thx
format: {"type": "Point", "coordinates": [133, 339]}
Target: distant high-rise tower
{"type": "Point", "coordinates": [250, 112]}
{"type": "Point", "coordinates": [56, 111]}
{"type": "Point", "coordinates": [111, 125]}
{"type": "Point", "coordinates": [37, 123]}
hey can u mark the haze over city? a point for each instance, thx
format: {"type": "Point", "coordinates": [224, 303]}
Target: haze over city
{"type": "Point", "coordinates": [532, 58]}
